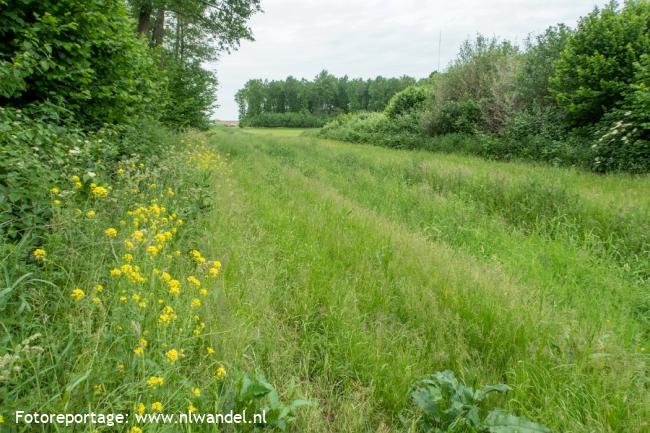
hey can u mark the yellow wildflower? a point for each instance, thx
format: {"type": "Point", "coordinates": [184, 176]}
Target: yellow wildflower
{"type": "Point", "coordinates": [123, 298]}
{"type": "Point", "coordinates": [203, 292]}
{"type": "Point", "coordinates": [120, 366]}
{"type": "Point", "coordinates": [191, 408]}
{"type": "Point", "coordinates": [98, 191]}
{"type": "Point", "coordinates": [138, 235]}
{"type": "Point", "coordinates": [135, 429]}
{"type": "Point", "coordinates": [156, 406]}
{"type": "Point", "coordinates": [90, 214]}
{"type": "Point", "coordinates": [143, 342]}
{"type": "Point", "coordinates": [39, 254]}
{"type": "Point", "coordinates": [127, 257]}
{"type": "Point", "coordinates": [196, 392]}
{"type": "Point", "coordinates": [210, 350]}
{"type": "Point", "coordinates": [196, 303]}
{"type": "Point", "coordinates": [165, 276]}
{"type": "Point", "coordinates": [75, 179]}
{"type": "Point", "coordinates": [54, 190]}
{"type": "Point", "coordinates": [170, 192]}
{"type": "Point", "coordinates": [194, 281]}
{"type": "Point", "coordinates": [155, 381]}
{"type": "Point", "coordinates": [153, 250]}
{"type": "Point", "coordinates": [77, 294]}
{"type": "Point", "coordinates": [56, 202]}
{"type": "Point", "coordinates": [172, 355]}
{"type": "Point", "coordinates": [110, 232]}
{"type": "Point", "coordinates": [119, 171]}
{"type": "Point", "coordinates": [139, 351]}
{"type": "Point", "coordinates": [140, 408]}
{"type": "Point", "coordinates": [220, 373]}
{"type": "Point", "coordinates": [197, 257]}
{"type": "Point", "coordinates": [128, 245]}
{"type": "Point", "coordinates": [115, 272]}
{"type": "Point", "coordinates": [99, 288]}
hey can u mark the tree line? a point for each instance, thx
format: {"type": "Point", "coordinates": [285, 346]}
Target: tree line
{"type": "Point", "coordinates": [294, 102]}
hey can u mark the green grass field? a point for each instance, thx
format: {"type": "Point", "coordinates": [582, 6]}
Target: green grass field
{"type": "Point", "coordinates": [344, 273]}
{"type": "Point", "coordinates": [352, 271]}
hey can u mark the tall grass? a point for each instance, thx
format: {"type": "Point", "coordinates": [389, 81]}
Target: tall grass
{"type": "Point", "coordinates": [355, 271]}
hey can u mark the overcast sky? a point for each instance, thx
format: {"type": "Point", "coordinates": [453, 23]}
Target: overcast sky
{"type": "Point", "coordinates": [366, 38]}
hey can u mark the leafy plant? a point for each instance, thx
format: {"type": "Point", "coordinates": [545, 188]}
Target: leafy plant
{"type": "Point", "coordinates": [446, 405]}
{"type": "Point", "coordinates": [254, 394]}
{"type": "Point", "coordinates": [598, 63]}
{"type": "Point", "coordinates": [407, 101]}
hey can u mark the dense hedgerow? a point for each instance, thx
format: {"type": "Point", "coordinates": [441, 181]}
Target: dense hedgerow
{"type": "Point", "coordinates": [575, 98]}
{"type": "Point", "coordinates": [81, 55]}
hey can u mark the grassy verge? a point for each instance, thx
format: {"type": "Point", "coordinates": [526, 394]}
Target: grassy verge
{"type": "Point", "coordinates": [354, 271]}
{"type": "Point", "coordinates": [113, 308]}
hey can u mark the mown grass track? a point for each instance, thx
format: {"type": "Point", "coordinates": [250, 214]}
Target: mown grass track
{"type": "Point", "coordinates": [353, 271]}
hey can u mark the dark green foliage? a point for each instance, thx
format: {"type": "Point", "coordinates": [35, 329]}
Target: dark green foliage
{"type": "Point", "coordinates": [83, 55]}
{"type": "Point", "coordinates": [301, 119]}
{"type": "Point", "coordinates": [325, 96]}
{"type": "Point", "coordinates": [192, 93]}
{"type": "Point", "coordinates": [538, 66]}
{"type": "Point", "coordinates": [596, 68]}
{"type": "Point", "coordinates": [406, 101]}
{"type": "Point", "coordinates": [456, 116]}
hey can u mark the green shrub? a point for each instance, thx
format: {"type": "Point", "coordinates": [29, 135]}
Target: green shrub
{"type": "Point", "coordinates": [538, 66]}
{"type": "Point", "coordinates": [484, 72]}
{"type": "Point", "coordinates": [407, 101]}
{"type": "Point", "coordinates": [456, 116]}
{"type": "Point", "coordinates": [84, 55]}
{"type": "Point", "coordinates": [191, 95]}
{"type": "Point", "coordinates": [624, 133]}
{"type": "Point", "coordinates": [597, 65]}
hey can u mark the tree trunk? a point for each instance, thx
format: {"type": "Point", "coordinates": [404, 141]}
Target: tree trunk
{"type": "Point", "coordinates": [144, 18]}
{"type": "Point", "coordinates": [159, 30]}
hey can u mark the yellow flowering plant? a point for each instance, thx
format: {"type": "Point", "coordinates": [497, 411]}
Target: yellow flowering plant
{"type": "Point", "coordinates": [138, 288]}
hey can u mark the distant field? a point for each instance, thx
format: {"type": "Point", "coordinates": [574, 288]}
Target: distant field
{"type": "Point", "coordinates": [354, 271]}
{"type": "Point", "coordinates": [278, 132]}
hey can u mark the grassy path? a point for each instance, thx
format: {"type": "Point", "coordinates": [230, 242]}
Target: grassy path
{"type": "Point", "coordinates": [353, 271]}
